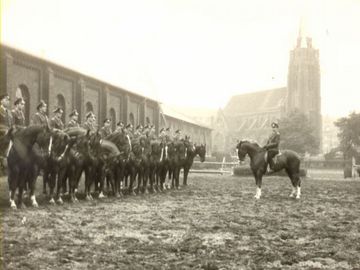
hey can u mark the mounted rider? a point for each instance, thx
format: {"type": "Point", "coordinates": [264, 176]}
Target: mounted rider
{"type": "Point", "coordinates": [106, 129]}
{"type": "Point", "coordinates": [40, 118]}
{"type": "Point", "coordinates": [56, 121]}
{"type": "Point", "coordinates": [272, 145]}
{"type": "Point", "coordinates": [74, 115]}
{"type": "Point", "coordinates": [18, 113]}
{"type": "Point", "coordinates": [89, 124]}
{"type": "Point", "coordinates": [5, 124]}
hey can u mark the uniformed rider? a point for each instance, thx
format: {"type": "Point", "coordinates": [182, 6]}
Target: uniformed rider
{"type": "Point", "coordinates": [74, 116]}
{"type": "Point", "coordinates": [18, 113]}
{"type": "Point", "coordinates": [272, 145]}
{"type": "Point", "coordinates": [56, 121]}
{"type": "Point", "coordinates": [40, 118]}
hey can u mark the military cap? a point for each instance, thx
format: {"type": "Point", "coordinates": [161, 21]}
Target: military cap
{"type": "Point", "coordinates": [177, 131]}
{"type": "Point", "coordinates": [89, 114]}
{"type": "Point", "coordinates": [274, 125]}
{"type": "Point", "coordinates": [18, 100]}
{"type": "Point", "coordinates": [146, 126]}
{"type": "Point", "coordinates": [3, 96]}
{"type": "Point", "coordinates": [107, 120]}
{"type": "Point", "coordinates": [139, 127]}
{"type": "Point", "coordinates": [162, 129]}
{"type": "Point", "coordinates": [120, 124]}
{"type": "Point", "coordinates": [41, 104]}
{"type": "Point", "coordinates": [167, 129]}
{"type": "Point", "coordinates": [58, 110]}
{"type": "Point", "coordinates": [74, 112]}
{"type": "Point", "coordinates": [128, 125]}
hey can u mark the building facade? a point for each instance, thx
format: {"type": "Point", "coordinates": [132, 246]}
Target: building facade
{"type": "Point", "coordinates": [199, 133]}
{"type": "Point", "coordinates": [248, 116]}
{"type": "Point", "coordinates": [35, 79]}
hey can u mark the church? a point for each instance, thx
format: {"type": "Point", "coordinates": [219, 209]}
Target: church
{"type": "Point", "coordinates": [250, 115]}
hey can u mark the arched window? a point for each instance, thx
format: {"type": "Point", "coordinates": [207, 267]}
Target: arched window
{"type": "Point", "coordinates": [112, 115]}
{"type": "Point", "coordinates": [23, 92]}
{"type": "Point", "coordinates": [60, 102]}
{"type": "Point", "coordinates": [88, 107]}
{"type": "Point", "coordinates": [147, 121]}
{"type": "Point", "coordinates": [131, 119]}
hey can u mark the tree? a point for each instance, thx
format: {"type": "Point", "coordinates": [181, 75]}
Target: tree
{"type": "Point", "coordinates": [297, 133]}
{"type": "Point", "coordinates": [349, 134]}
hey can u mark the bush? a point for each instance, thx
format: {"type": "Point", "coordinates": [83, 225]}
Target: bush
{"type": "Point", "coordinates": [246, 171]}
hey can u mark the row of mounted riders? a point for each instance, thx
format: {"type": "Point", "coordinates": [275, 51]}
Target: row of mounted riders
{"type": "Point", "coordinates": [131, 165]}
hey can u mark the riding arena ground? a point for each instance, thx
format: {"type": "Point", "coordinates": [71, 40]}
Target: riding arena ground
{"type": "Point", "coordinates": [213, 223]}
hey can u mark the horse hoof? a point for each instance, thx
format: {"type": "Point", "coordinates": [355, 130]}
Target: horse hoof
{"type": "Point", "coordinates": [52, 201]}
{"type": "Point", "coordinates": [101, 195]}
{"type": "Point", "coordinates": [87, 198]}
{"type": "Point", "coordinates": [35, 204]}
{"type": "Point", "coordinates": [297, 197]}
{"type": "Point", "coordinates": [13, 207]}
{"type": "Point", "coordinates": [133, 193]}
{"type": "Point", "coordinates": [60, 201]}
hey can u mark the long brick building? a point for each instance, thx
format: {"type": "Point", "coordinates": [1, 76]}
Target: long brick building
{"type": "Point", "coordinates": [35, 79]}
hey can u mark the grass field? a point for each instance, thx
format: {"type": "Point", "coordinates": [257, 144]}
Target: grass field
{"type": "Point", "coordinates": [214, 223]}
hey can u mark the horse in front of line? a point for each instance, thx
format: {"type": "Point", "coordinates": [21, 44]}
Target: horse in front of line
{"type": "Point", "coordinates": [287, 160]}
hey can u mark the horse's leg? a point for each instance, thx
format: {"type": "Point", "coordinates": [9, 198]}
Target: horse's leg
{"type": "Point", "coordinates": [258, 181]}
{"type": "Point", "coordinates": [102, 180]}
{"type": "Point", "coordinates": [33, 174]}
{"type": "Point", "coordinates": [62, 177]}
{"type": "Point", "coordinates": [88, 181]}
{"type": "Point", "coordinates": [293, 192]}
{"type": "Point", "coordinates": [186, 172]}
{"type": "Point", "coordinates": [52, 183]}
{"type": "Point", "coordinates": [13, 178]}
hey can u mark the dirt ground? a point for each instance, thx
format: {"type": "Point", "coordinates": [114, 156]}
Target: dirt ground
{"type": "Point", "coordinates": [214, 223]}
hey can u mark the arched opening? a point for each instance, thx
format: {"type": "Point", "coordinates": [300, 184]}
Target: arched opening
{"type": "Point", "coordinates": [88, 107]}
{"type": "Point", "coordinates": [60, 102]}
{"type": "Point", "coordinates": [131, 119]}
{"type": "Point", "coordinates": [23, 92]}
{"type": "Point", "coordinates": [147, 120]}
{"type": "Point", "coordinates": [112, 115]}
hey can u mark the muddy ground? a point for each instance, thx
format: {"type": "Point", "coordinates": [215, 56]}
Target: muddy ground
{"type": "Point", "coordinates": [214, 223]}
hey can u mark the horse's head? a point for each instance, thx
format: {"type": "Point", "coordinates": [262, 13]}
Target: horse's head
{"type": "Point", "coordinates": [201, 151]}
{"type": "Point", "coordinates": [241, 151]}
{"type": "Point", "coordinates": [60, 143]}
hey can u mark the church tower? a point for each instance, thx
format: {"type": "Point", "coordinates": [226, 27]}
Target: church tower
{"type": "Point", "coordinates": [303, 86]}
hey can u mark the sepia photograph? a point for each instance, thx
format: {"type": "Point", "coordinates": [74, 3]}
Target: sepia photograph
{"type": "Point", "coordinates": [180, 134]}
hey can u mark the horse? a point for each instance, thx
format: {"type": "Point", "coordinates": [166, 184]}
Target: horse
{"type": "Point", "coordinates": [24, 160]}
{"type": "Point", "coordinates": [288, 160]}
{"type": "Point", "coordinates": [192, 152]}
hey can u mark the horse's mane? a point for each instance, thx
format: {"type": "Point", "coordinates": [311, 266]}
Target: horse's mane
{"type": "Point", "coordinates": [250, 141]}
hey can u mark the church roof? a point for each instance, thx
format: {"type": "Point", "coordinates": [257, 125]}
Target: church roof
{"type": "Point", "coordinates": [256, 102]}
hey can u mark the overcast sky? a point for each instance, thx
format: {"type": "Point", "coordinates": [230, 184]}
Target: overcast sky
{"type": "Point", "coordinates": [192, 52]}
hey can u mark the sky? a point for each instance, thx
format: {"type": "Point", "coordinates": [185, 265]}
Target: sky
{"type": "Point", "coordinates": [195, 53]}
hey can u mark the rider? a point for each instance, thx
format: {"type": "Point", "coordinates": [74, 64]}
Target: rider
{"type": "Point", "coordinates": [40, 117]}
{"type": "Point", "coordinates": [89, 124]}
{"type": "Point", "coordinates": [74, 116]}
{"type": "Point", "coordinates": [18, 113]}
{"type": "Point", "coordinates": [272, 146]}
{"type": "Point", "coordinates": [106, 129]}
{"type": "Point", "coordinates": [56, 121]}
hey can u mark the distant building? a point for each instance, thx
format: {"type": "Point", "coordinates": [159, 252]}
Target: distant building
{"type": "Point", "coordinates": [35, 79]}
{"type": "Point", "coordinates": [250, 115]}
{"type": "Point", "coordinates": [199, 133]}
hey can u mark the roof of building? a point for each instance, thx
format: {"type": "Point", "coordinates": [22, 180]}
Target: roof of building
{"type": "Point", "coordinates": [171, 112]}
{"type": "Point", "coordinates": [256, 102]}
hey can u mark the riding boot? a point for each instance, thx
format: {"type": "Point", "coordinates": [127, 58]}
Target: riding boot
{"type": "Point", "coordinates": [271, 165]}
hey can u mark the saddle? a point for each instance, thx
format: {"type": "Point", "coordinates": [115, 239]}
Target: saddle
{"type": "Point", "coordinates": [275, 158]}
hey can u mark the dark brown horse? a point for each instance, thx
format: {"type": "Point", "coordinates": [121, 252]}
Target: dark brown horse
{"type": "Point", "coordinates": [287, 160]}
{"type": "Point", "coordinates": [192, 152]}
{"type": "Point", "coordinates": [23, 163]}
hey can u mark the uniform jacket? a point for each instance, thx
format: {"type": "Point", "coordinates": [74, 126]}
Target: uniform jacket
{"type": "Point", "coordinates": [18, 118]}
{"type": "Point", "coordinates": [273, 141]}
{"type": "Point", "coordinates": [73, 123]}
{"type": "Point", "coordinates": [5, 118]}
{"type": "Point", "coordinates": [104, 132]}
{"type": "Point", "coordinates": [40, 119]}
{"type": "Point", "coordinates": [56, 123]}
{"type": "Point", "coordinates": [89, 126]}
